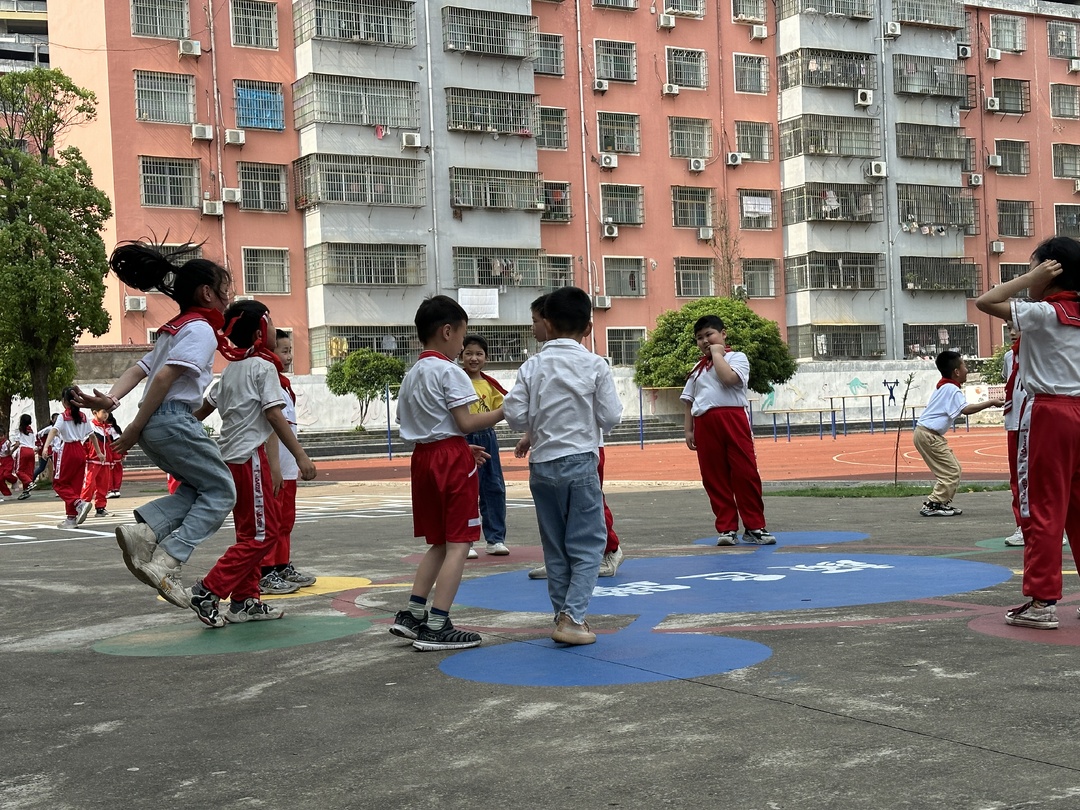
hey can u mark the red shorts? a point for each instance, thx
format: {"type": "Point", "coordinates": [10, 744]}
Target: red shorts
{"type": "Point", "coordinates": [445, 492]}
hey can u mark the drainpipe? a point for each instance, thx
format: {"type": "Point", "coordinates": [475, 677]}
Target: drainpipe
{"type": "Point", "coordinates": [431, 158]}
{"type": "Point", "coordinates": [590, 269]}
{"type": "Point", "coordinates": [209, 9]}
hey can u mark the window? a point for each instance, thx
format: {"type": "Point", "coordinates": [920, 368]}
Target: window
{"type": "Point", "coordinates": [687, 68]}
{"type": "Point", "coordinates": [623, 345]}
{"type": "Point", "coordinates": [753, 140]}
{"type": "Point", "coordinates": [1064, 101]}
{"type": "Point", "coordinates": [266, 270]}
{"type": "Point", "coordinates": [496, 189]}
{"type": "Point", "coordinates": [759, 277]}
{"type": "Point", "coordinates": [330, 343]}
{"type": "Point", "coordinates": [359, 180]}
{"type": "Point", "coordinates": [1008, 272]}
{"type": "Point", "coordinates": [628, 5]}
{"type": "Point", "coordinates": [259, 105]}
{"type": "Point", "coordinates": [1016, 217]}
{"type": "Point", "coordinates": [930, 13]}
{"type": "Point", "coordinates": [830, 135]}
{"type": "Point", "coordinates": [751, 11]}
{"type": "Point", "coordinates": [832, 202]}
{"type": "Point", "coordinates": [1066, 221]}
{"type": "Point", "coordinates": [254, 24]}
{"type": "Point", "coordinates": [1015, 157]}
{"type": "Point", "coordinates": [691, 207]}
{"type": "Point", "coordinates": [685, 8]}
{"type": "Point", "coordinates": [167, 19]}
{"type": "Point", "coordinates": [262, 187]}
{"type": "Point", "coordinates": [507, 344]}
{"type": "Point", "coordinates": [552, 131]}
{"type": "Point", "coordinates": [622, 205]}
{"type": "Point", "coordinates": [378, 264]}
{"type": "Point", "coordinates": [690, 137]}
{"type": "Point", "coordinates": [930, 142]}
{"type": "Point", "coordinates": [497, 267]}
{"type": "Point", "coordinates": [1066, 160]}
{"type": "Point", "coordinates": [169, 182]}
{"type": "Point", "coordinates": [369, 22]}
{"type": "Point", "coordinates": [619, 132]}
{"type": "Point", "coordinates": [489, 111]}
{"type": "Point", "coordinates": [928, 76]}
{"type": "Point", "coordinates": [624, 275]}
{"type": "Point", "coordinates": [330, 99]}
{"type": "Point", "coordinates": [1008, 33]}
{"type": "Point", "coordinates": [550, 57]}
{"type": "Point", "coordinates": [1014, 95]}
{"type": "Point", "coordinates": [1061, 39]}
{"type": "Point", "coordinates": [751, 73]}
{"type": "Point", "coordinates": [941, 274]}
{"type": "Point", "coordinates": [489, 33]}
{"type": "Point", "coordinates": [168, 98]}
{"type": "Point", "coordinates": [813, 67]}
{"type": "Point", "coordinates": [927, 341]}
{"type": "Point", "coordinates": [855, 9]}
{"type": "Point", "coordinates": [693, 277]}
{"type": "Point", "coordinates": [556, 271]}
{"type": "Point", "coordinates": [834, 271]}
{"type": "Point", "coordinates": [616, 61]}
{"type": "Point", "coordinates": [969, 101]}
{"type": "Point", "coordinates": [970, 163]}
{"type": "Point", "coordinates": [830, 342]}
{"type": "Point", "coordinates": [936, 206]}
{"type": "Point", "coordinates": [757, 209]}
{"type": "Point", "coordinates": [556, 202]}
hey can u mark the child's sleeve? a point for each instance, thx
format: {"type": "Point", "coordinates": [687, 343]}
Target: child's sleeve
{"type": "Point", "coordinates": [740, 364]}
{"type": "Point", "coordinates": [271, 394]}
{"type": "Point", "coordinates": [195, 343]}
{"type": "Point", "coordinates": [687, 394]}
{"type": "Point", "coordinates": [458, 388]}
{"type": "Point", "coordinates": [516, 402]}
{"type": "Point", "coordinates": [608, 405]}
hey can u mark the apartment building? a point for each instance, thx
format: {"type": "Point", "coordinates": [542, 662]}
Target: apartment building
{"type": "Point", "coordinates": [24, 34]}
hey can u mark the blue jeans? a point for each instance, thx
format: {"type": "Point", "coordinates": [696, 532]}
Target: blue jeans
{"type": "Point", "coordinates": [570, 513]}
{"type": "Point", "coordinates": [492, 488]}
{"type": "Point", "coordinates": [175, 441]}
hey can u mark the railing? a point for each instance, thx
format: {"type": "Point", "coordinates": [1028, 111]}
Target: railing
{"type": "Point", "coordinates": [27, 6]}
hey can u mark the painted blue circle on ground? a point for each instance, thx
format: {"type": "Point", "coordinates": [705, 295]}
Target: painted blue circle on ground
{"type": "Point", "coordinates": [796, 539]}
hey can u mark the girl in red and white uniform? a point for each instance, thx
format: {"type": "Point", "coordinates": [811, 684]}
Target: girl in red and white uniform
{"type": "Point", "coordinates": [77, 434]}
{"type": "Point", "coordinates": [7, 468]}
{"type": "Point", "coordinates": [25, 439]}
{"type": "Point", "coordinates": [99, 471]}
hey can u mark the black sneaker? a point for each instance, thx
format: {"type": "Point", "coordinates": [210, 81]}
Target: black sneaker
{"type": "Point", "coordinates": [406, 625]}
{"type": "Point", "coordinates": [102, 513]}
{"type": "Point", "coordinates": [448, 638]}
{"type": "Point", "coordinates": [205, 605]}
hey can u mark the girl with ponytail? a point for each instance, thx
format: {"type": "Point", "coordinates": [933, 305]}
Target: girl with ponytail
{"type": "Point", "coordinates": [77, 435]}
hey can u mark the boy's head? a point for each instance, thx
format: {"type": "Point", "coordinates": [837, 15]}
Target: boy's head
{"type": "Point", "coordinates": [247, 322]}
{"type": "Point", "coordinates": [952, 366]}
{"type": "Point", "coordinates": [709, 330]}
{"type": "Point", "coordinates": [1013, 334]}
{"type": "Point", "coordinates": [567, 313]}
{"type": "Point", "coordinates": [441, 320]}
{"type": "Point", "coordinates": [1066, 252]}
{"type": "Point", "coordinates": [538, 328]}
{"type": "Point", "coordinates": [474, 354]}
{"type": "Point", "coordinates": [284, 348]}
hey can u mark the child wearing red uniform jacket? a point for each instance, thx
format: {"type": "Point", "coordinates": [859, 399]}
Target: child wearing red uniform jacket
{"type": "Point", "coordinates": [7, 467]}
{"type": "Point", "coordinates": [717, 428]}
{"type": "Point", "coordinates": [116, 480]}
{"type": "Point", "coordinates": [23, 453]}
{"type": "Point", "coordinates": [77, 434]}
{"type": "Point", "coordinates": [1048, 452]}
{"type": "Point", "coordinates": [99, 471]}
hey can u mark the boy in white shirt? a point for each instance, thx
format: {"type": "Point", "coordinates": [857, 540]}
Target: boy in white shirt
{"type": "Point", "coordinates": [565, 398]}
{"type": "Point", "coordinates": [945, 406]}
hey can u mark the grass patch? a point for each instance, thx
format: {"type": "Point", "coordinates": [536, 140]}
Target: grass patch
{"type": "Point", "coordinates": [882, 490]}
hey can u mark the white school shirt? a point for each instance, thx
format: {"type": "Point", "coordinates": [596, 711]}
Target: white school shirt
{"type": "Point", "coordinates": [565, 397]}
{"type": "Point", "coordinates": [192, 349]}
{"type": "Point", "coordinates": [1049, 350]}
{"type": "Point", "coordinates": [25, 439]}
{"type": "Point", "coordinates": [943, 409]}
{"type": "Point", "coordinates": [1012, 416]}
{"type": "Point", "coordinates": [704, 391]}
{"type": "Point", "coordinates": [290, 470]}
{"type": "Point", "coordinates": [68, 430]}
{"type": "Point", "coordinates": [247, 389]}
{"type": "Point", "coordinates": [430, 389]}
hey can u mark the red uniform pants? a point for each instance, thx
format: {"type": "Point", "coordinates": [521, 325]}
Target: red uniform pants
{"type": "Point", "coordinates": [117, 476]}
{"type": "Point", "coordinates": [96, 483]}
{"type": "Point", "coordinates": [609, 519]}
{"type": "Point", "coordinates": [728, 464]}
{"type": "Point", "coordinates": [69, 471]}
{"type": "Point", "coordinates": [445, 492]}
{"type": "Point", "coordinates": [281, 553]}
{"type": "Point", "coordinates": [1012, 439]}
{"type": "Point", "coordinates": [7, 474]}
{"type": "Point", "coordinates": [24, 465]}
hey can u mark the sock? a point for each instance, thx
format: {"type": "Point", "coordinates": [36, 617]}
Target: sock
{"type": "Point", "coordinates": [280, 568]}
{"type": "Point", "coordinates": [266, 569]}
{"type": "Point", "coordinates": [438, 619]}
{"type": "Point", "coordinates": [417, 607]}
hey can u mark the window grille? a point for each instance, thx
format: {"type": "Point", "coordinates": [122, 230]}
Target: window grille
{"type": "Point", "coordinates": [622, 205]}
{"type": "Point", "coordinates": [757, 209]}
{"type": "Point", "coordinates": [168, 98]}
{"type": "Point", "coordinates": [623, 345]}
{"type": "Point", "coordinates": [1008, 33]}
{"type": "Point", "coordinates": [550, 59]}
{"type": "Point", "coordinates": [830, 135]}
{"type": "Point", "coordinates": [687, 68]}
{"type": "Point", "coordinates": [375, 264]}
{"type": "Point", "coordinates": [332, 343]}
{"type": "Point", "coordinates": [471, 110]}
{"type": "Point", "coordinates": [1066, 160]}
{"type": "Point", "coordinates": [330, 99]}
{"type": "Point", "coordinates": [927, 341]}
{"type": "Point", "coordinates": [178, 254]}
{"type": "Point", "coordinates": [1064, 101]}
{"type": "Point", "coordinates": [930, 13]}
{"type": "Point", "coordinates": [1016, 217]}
{"type": "Point", "coordinates": [1066, 221]}
{"type": "Point", "coordinates": [751, 11]}
{"type": "Point", "coordinates": [753, 140]}
{"type": "Point", "coordinates": [263, 187]}
{"type": "Point", "coordinates": [497, 267]}
{"type": "Point", "coordinates": [935, 205]}
{"type": "Point", "coordinates": [259, 105]}
{"type": "Point", "coordinates": [167, 19]}
{"type": "Point", "coordinates": [496, 189]}
{"type": "Point", "coordinates": [628, 5]}
{"type": "Point", "coordinates": [835, 202]}
{"type": "Point", "coordinates": [1009, 271]}
{"type": "Point", "coordinates": [1015, 157]}
{"type": "Point", "coordinates": [691, 207]}
{"type": "Point", "coordinates": [693, 276]}
{"type": "Point", "coordinates": [556, 271]}
{"type": "Point", "coordinates": [970, 100]}
{"type": "Point", "coordinates": [1061, 39]}
{"type": "Point", "coordinates": [619, 132]}
{"type": "Point", "coordinates": [751, 73]}
{"type": "Point", "coordinates": [551, 133]}
{"type": "Point", "coordinates": [616, 61]}
{"type": "Point", "coordinates": [624, 276]}
{"type": "Point", "coordinates": [690, 137]}
{"type": "Point", "coordinates": [508, 345]}
{"type": "Point", "coordinates": [489, 33]}
{"type": "Point", "coordinates": [1014, 95]}
{"type": "Point", "coordinates": [254, 23]}
{"type": "Point", "coordinates": [169, 182]}
{"type": "Point", "coordinates": [358, 180]}
{"type": "Point", "coordinates": [963, 35]}
{"type": "Point", "coordinates": [835, 342]}
{"type": "Point", "coordinates": [971, 162]}
{"type": "Point", "coordinates": [813, 67]}
{"type": "Point", "coordinates": [376, 22]}
{"type": "Point", "coordinates": [557, 207]}
{"type": "Point", "coordinates": [759, 277]}
{"type": "Point", "coordinates": [930, 142]}
{"type": "Point", "coordinates": [834, 271]}
{"type": "Point", "coordinates": [685, 8]}
{"type": "Point", "coordinates": [266, 270]}
{"type": "Point", "coordinates": [855, 9]}
{"type": "Point", "coordinates": [941, 274]}
{"type": "Point", "coordinates": [928, 76]}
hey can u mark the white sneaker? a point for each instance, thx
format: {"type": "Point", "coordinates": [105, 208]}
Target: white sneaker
{"type": "Point", "coordinates": [137, 542]}
{"type": "Point", "coordinates": [497, 549]}
{"type": "Point", "coordinates": [1016, 538]}
{"type": "Point", "coordinates": [727, 539]}
{"type": "Point", "coordinates": [69, 523]}
{"type": "Point", "coordinates": [538, 573]}
{"type": "Point", "coordinates": [82, 509]}
{"type": "Point", "coordinates": [472, 555]}
{"type": "Point", "coordinates": [252, 610]}
{"type": "Point", "coordinates": [163, 573]}
{"type": "Point", "coordinates": [611, 562]}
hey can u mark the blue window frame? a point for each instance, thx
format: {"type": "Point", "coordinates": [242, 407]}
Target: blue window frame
{"type": "Point", "coordinates": [259, 105]}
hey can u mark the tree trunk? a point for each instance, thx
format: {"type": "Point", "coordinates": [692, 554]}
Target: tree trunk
{"type": "Point", "coordinates": [39, 381]}
{"type": "Point", "coordinates": [5, 413]}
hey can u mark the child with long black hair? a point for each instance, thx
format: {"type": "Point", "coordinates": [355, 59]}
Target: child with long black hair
{"type": "Point", "coordinates": [24, 455]}
{"type": "Point", "coordinates": [75, 431]}
{"type": "Point", "coordinates": [177, 372]}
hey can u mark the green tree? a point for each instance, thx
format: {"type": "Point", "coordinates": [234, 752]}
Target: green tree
{"type": "Point", "coordinates": [670, 353]}
{"type": "Point", "coordinates": [15, 382]}
{"type": "Point", "coordinates": [993, 367]}
{"type": "Point", "coordinates": [365, 374]}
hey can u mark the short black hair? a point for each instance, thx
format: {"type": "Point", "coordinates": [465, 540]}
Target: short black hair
{"type": "Point", "coordinates": [437, 311]}
{"type": "Point", "coordinates": [709, 321]}
{"type": "Point", "coordinates": [281, 334]}
{"type": "Point", "coordinates": [568, 310]}
{"type": "Point", "coordinates": [1065, 251]}
{"type": "Point", "coordinates": [479, 340]}
{"type": "Point", "coordinates": [947, 362]}
{"type": "Point", "coordinates": [537, 306]}
{"type": "Point", "coordinates": [243, 321]}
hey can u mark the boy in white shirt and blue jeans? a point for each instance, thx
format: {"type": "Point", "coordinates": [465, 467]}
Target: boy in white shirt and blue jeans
{"type": "Point", "coordinates": [565, 398]}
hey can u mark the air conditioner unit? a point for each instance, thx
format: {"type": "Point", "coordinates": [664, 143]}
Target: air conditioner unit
{"type": "Point", "coordinates": [1074, 66]}
{"type": "Point", "coordinates": [993, 104]}
{"type": "Point", "coordinates": [975, 179]}
{"type": "Point", "coordinates": [759, 32]}
{"type": "Point", "coordinates": [696, 164]}
{"type": "Point", "coordinates": [410, 140]}
{"type": "Point", "coordinates": [213, 208]}
{"type": "Point", "coordinates": [235, 137]}
{"type": "Point", "coordinates": [190, 47]}
{"type": "Point", "coordinates": [997, 247]}
{"type": "Point", "coordinates": [704, 234]}
{"type": "Point", "coordinates": [609, 160]}
{"type": "Point", "coordinates": [963, 51]}
{"type": "Point", "coordinates": [611, 231]}
{"type": "Point", "coordinates": [202, 132]}
{"type": "Point", "coordinates": [892, 29]}
{"type": "Point", "coordinates": [134, 303]}
{"type": "Point", "coordinates": [671, 89]}
{"type": "Point", "coordinates": [231, 195]}
{"type": "Point", "coordinates": [864, 98]}
{"type": "Point", "coordinates": [993, 54]}
{"type": "Point", "coordinates": [600, 86]}
{"type": "Point", "coordinates": [993, 161]}
{"type": "Point", "coordinates": [601, 302]}
{"type": "Point", "coordinates": [877, 168]}
{"type": "Point", "coordinates": [733, 159]}
{"type": "Point", "coordinates": [666, 21]}
{"type": "Point", "coordinates": [1076, 186]}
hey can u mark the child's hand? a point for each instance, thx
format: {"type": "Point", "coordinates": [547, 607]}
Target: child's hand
{"type": "Point", "coordinates": [1045, 272]}
{"type": "Point", "coordinates": [480, 455]}
{"type": "Point", "coordinates": [307, 468]}
{"type": "Point", "coordinates": [127, 441]}
{"type": "Point", "coordinates": [690, 441]}
{"type": "Point", "coordinates": [95, 401]}
{"type": "Point", "coordinates": [100, 455]}
{"type": "Point", "coordinates": [276, 480]}
{"type": "Point", "coordinates": [521, 449]}
{"type": "Point", "coordinates": [996, 403]}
